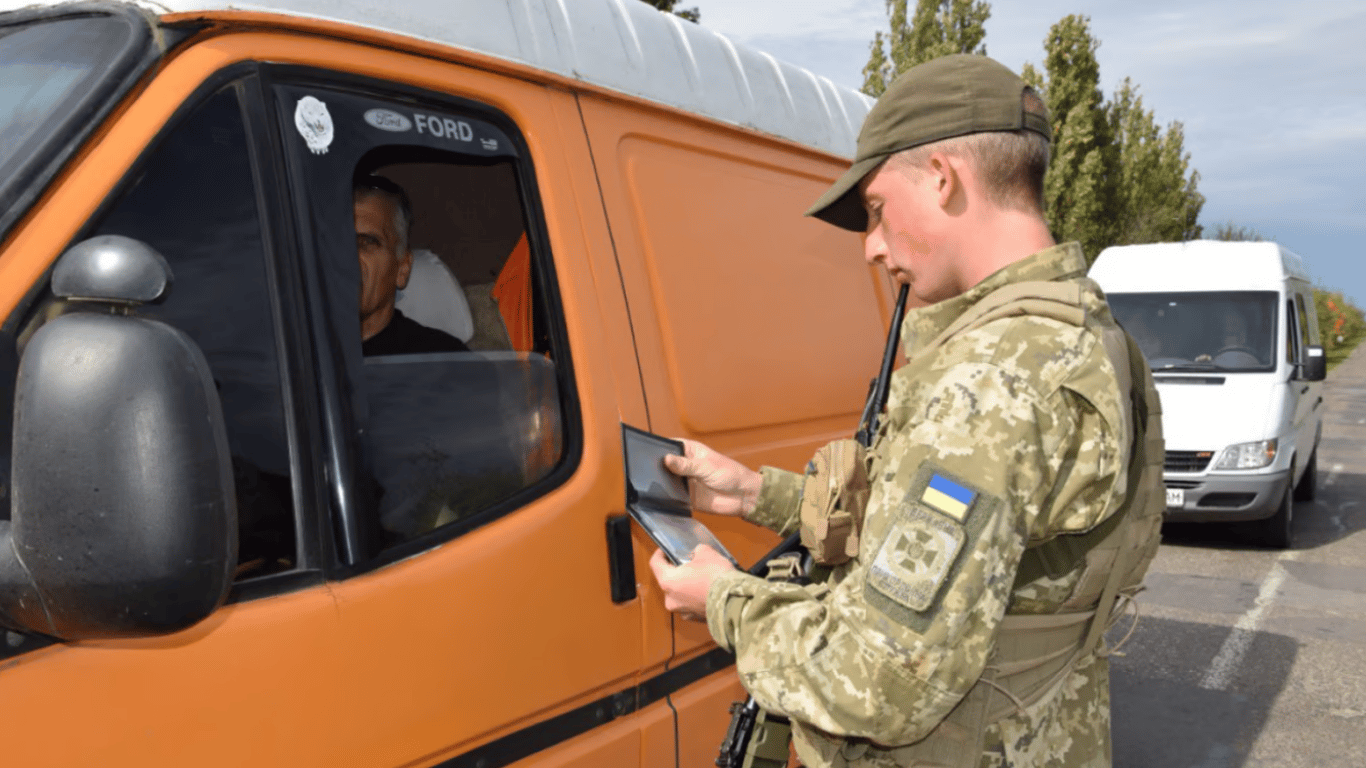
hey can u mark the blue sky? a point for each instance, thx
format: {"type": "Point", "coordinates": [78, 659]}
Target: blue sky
{"type": "Point", "coordinates": [1272, 95]}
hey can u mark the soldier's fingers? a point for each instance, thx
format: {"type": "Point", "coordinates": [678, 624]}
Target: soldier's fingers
{"type": "Point", "coordinates": [660, 565]}
{"type": "Point", "coordinates": [679, 465]}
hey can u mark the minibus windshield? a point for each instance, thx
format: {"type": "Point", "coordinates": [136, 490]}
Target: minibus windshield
{"type": "Point", "coordinates": [48, 69]}
{"type": "Point", "coordinates": [1201, 331]}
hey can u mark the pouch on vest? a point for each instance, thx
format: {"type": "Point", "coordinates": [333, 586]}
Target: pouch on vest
{"type": "Point", "coordinates": [833, 499]}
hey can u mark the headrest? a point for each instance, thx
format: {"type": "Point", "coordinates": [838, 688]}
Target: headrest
{"type": "Point", "coordinates": [433, 297]}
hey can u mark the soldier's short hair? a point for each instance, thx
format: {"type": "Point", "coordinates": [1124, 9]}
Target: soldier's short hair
{"type": "Point", "coordinates": [1012, 164]}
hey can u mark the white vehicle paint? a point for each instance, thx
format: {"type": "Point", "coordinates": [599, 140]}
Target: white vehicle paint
{"type": "Point", "coordinates": [1231, 334]}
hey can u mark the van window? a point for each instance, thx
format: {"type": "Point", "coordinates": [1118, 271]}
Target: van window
{"type": "Point", "coordinates": [441, 305]}
{"type": "Point", "coordinates": [194, 201]}
{"type": "Point", "coordinates": [1292, 343]}
{"type": "Point", "coordinates": [1201, 331]}
{"type": "Point", "coordinates": [1305, 336]}
{"type": "Point", "coordinates": [49, 70]}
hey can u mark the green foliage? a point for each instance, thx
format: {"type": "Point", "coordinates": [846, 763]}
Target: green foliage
{"type": "Point", "coordinates": [1235, 232]}
{"type": "Point", "coordinates": [691, 14]}
{"type": "Point", "coordinates": [1157, 201]}
{"type": "Point", "coordinates": [937, 28]}
{"type": "Point", "coordinates": [1081, 192]}
{"type": "Point", "coordinates": [1342, 325]}
{"type": "Point", "coordinates": [1115, 176]}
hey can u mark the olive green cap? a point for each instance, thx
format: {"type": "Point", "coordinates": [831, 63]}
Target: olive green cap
{"type": "Point", "coordinates": [942, 98]}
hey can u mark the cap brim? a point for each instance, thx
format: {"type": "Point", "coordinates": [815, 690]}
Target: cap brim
{"type": "Point", "coordinates": [841, 204]}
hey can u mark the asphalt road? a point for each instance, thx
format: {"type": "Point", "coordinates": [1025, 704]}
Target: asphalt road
{"type": "Point", "coordinates": [1246, 656]}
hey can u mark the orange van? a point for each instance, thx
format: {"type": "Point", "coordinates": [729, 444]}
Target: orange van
{"type": "Point", "coordinates": [228, 537]}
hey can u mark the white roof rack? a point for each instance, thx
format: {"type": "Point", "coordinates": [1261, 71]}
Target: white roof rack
{"type": "Point", "coordinates": [623, 45]}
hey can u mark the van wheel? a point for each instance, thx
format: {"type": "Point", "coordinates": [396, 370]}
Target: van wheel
{"type": "Point", "coordinates": [1305, 490]}
{"type": "Point", "coordinates": [1275, 530]}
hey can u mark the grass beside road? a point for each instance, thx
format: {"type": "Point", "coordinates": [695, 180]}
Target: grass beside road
{"type": "Point", "coordinates": [1341, 351]}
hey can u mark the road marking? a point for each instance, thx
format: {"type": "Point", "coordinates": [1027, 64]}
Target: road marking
{"type": "Point", "coordinates": [1225, 665]}
{"type": "Point", "coordinates": [1336, 520]}
{"type": "Point", "coordinates": [1332, 475]}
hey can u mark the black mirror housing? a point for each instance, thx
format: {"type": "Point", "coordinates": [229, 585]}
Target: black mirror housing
{"type": "Point", "coordinates": [1313, 365]}
{"type": "Point", "coordinates": [123, 517]}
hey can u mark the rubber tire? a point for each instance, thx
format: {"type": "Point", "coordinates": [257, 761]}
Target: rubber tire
{"type": "Point", "coordinates": [1307, 489]}
{"type": "Point", "coordinates": [1275, 531]}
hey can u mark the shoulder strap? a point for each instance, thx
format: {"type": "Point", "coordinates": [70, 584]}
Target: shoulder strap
{"type": "Point", "coordinates": [1059, 301]}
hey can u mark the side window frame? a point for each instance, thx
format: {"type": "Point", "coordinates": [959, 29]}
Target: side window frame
{"type": "Point", "coordinates": [1305, 338]}
{"type": "Point", "coordinates": [1292, 340]}
{"type": "Point", "coordinates": [281, 284]}
{"type": "Point", "coordinates": [352, 553]}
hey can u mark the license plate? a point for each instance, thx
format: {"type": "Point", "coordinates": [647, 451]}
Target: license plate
{"type": "Point", "coordinates": [1176, 498]}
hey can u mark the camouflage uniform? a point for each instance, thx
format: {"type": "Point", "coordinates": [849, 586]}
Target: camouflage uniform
{"type": "Point", "coordinates": [1007, 434]}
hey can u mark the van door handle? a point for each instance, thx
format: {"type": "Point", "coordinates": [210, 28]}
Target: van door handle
{"type": "Point", "coordinates": [1305, 389]}
{"type": "Point", "coordinates": [621, 559]}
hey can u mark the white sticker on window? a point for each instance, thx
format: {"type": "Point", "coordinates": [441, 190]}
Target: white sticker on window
{"type": "Point", "coordinates": [314, 123]}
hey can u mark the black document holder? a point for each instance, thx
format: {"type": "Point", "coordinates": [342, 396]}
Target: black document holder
{"type": "Point", "coordinates": [658, 499]}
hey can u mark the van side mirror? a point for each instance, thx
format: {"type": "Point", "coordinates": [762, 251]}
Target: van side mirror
{"type": "Point", "coordinates": [123, 517]}
{"type": "Point", "coordinates": [1313, 365]}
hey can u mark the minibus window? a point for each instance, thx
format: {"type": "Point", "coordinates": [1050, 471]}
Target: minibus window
{"type": "Point", "coordinates": [194, 201]}
{"type": "Point", "coordinates": [1305, 338]}
{"type": "Point", "coordinates": [49, 73]}
{"type": "Point", "coordinates": [442, 306]}
{"type": "Point", "coordinates": [1201, 331]}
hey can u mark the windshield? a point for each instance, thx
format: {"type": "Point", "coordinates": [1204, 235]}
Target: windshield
{"type": "Point", "coordinates": [49, 71]}
{"type": "Point", "coordinates": [1205, 331]}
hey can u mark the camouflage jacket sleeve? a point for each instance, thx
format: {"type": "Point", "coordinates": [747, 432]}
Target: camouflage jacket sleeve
{"type": "Point", "coordinates": [976, 458]}
{"type": "Point", "coordinates": [779, 504]}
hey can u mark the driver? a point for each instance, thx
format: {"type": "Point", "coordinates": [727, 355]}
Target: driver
{"type": "Point", "coordinates": [384, 219]}
{"type": "Point", "coordinates": [1234, 338]}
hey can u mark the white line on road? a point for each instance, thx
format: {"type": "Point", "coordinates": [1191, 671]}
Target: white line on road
{"type": "Point", "coordinates": [1332, 475]}
{"type": "Point", "coordinates": [1235, 647]}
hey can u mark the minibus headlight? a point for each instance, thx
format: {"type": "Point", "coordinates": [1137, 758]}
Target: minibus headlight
{"type": "Point", "coordinates": [1253, 455]}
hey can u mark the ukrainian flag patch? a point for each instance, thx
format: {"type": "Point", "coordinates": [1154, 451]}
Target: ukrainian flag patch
{"type": "Point", "coordinates": [944, 495]}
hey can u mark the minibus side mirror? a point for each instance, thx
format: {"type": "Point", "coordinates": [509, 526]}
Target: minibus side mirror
{"type": "Point", "coordinates": [1313, 365]}
{"type": "Point", "coordinates": [123, 517]}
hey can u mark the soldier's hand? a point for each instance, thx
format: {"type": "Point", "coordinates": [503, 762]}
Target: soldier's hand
{"type": "Point", "coordinates": [685, 586]}
{"type": "Point", "coordinates": [720, 485]}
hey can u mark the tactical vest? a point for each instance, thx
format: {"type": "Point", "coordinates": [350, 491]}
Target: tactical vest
{"type": "Point", "coordinates": [1034, 653]}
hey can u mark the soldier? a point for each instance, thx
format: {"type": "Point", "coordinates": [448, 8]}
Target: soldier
{"type": "Point", "coordinates": [1010, 500]}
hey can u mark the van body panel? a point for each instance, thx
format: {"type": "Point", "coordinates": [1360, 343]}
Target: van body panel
{"type": "Point", "coordinates": [271, 668]}
{"type": "Point", "coordinates": [1207, 406]}
{"type": "Point", "coordinates": [1252, 405]}
{"type": "Point", "coordinates": [670, 187]}
{"type": "Point", "coordinates": [688, 292]}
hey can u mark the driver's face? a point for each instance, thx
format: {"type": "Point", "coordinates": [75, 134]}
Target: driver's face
{"type": "Point", "coordinates": [383, 270]}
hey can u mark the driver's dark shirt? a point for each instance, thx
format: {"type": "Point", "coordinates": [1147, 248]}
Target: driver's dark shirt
{"type": "Point", "coordinates": [403, 336]}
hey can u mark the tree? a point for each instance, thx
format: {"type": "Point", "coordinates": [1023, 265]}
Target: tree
{"type": "Point", "coordinates": [1081, 195]}
{"type": "Point", "coordinates": [937, 28]}
{"type": "Point", "coordinates": [1156, 200]}
{"type": "Point", "coordinates": [667, 6]}
{"type": "Point", "coordinates": [1342, 325]}
{"type": "Point", "coordinates": [1236, 232]}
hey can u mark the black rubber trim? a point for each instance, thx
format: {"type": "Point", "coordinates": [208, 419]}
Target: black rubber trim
{"type": "Point", "coordinates": [547, 733]}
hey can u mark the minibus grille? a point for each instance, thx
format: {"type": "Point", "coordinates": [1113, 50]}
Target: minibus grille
{"type": "Point", "coordinates": [1187, 461]}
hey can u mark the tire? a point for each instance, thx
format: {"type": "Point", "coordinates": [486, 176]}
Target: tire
{"type": "Point", "coordinates": [1275, 531]}
{"type": "Point", "coordinates": [1307, 488]}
